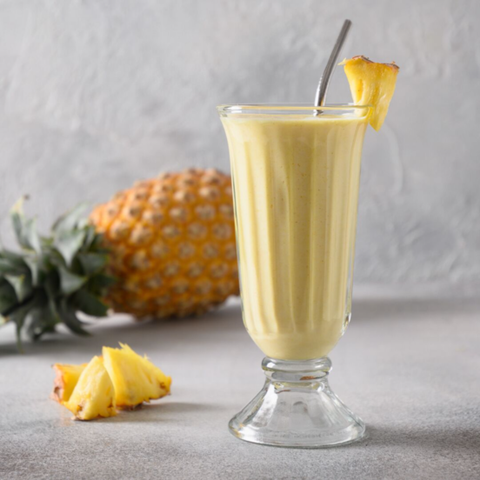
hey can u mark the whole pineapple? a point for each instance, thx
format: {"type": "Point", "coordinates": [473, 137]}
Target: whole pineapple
{"type": "Point", "coordinates": [172, 244]}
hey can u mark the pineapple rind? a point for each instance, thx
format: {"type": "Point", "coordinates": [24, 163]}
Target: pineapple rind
{"type": "Point", "coordinates": [65, 380]}
{"type": "Point", "coordinates": [172, 244]}
{"type": "Point", "coordinates": [94, 394]}
{"type": "Point", "coordinates": [135, 378]}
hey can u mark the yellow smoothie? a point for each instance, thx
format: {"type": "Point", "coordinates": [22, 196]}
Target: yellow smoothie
{"type": "Point", "coordinates": [295, 180]}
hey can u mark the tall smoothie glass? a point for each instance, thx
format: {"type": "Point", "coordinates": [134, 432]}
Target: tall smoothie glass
{"type": "Point", "coordinates": [295, 174]}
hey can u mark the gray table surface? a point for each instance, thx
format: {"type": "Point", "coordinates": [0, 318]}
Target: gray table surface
{"type": "Point", "coordinates": [410, 367]}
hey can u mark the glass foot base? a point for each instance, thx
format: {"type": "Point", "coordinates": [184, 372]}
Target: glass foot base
{"type": "Point", "coordinates": [296, 408]}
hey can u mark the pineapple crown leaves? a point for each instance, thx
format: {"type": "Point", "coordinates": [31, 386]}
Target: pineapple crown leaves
{"type": "Point", "coordinates": [52, 278]}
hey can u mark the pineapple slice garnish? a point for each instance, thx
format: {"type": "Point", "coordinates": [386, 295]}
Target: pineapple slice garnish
{"type": "Point", "coordinates": [135, 378]}
{"type": "Point", "coordinates": [371, 84]}
{"type": "Point", "coordinates": [94, 393]}
{"type": "Point", "coordinates": [65, 380]}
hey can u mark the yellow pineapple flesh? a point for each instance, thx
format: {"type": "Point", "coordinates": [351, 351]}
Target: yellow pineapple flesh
{"type": "Point", "coordinates": [94, 394]}
{"type": "Point", "coordinates": [371, 84]}
{"type": "Point", "coordinates": [66, 377]}
{"type": "Point", "coordinates": [135, 378]}
{"type": "Point", "coordinates": [172, 244]}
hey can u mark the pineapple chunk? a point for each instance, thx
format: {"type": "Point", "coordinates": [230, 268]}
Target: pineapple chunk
{"type": "Point", "coordinates": [371, 84]}
{"type": "Point", "coordinates": [94, 394]}
{"type": "Point", "coordinates": [135, 378]}
{"type": "Point", "coordinates": [65, 380]}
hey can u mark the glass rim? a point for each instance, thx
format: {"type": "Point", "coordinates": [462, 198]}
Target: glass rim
{"type": "Point", "coordinates": [238, 108]}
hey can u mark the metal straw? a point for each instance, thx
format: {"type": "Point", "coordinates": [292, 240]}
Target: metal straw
{"type": "Point", "coordinates": [321, 93]}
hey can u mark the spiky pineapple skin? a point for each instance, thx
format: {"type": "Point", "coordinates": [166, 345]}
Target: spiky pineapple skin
{"type": "Point", "coordinates": [172, 243]}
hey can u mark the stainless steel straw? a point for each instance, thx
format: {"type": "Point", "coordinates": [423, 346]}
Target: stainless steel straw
{"type": "Point", "coordinates": [321, 93]}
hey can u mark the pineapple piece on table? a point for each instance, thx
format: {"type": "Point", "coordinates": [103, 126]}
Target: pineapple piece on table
{"type": "Point", "coordinates": [94, 394]}
{"type": "Point", "coordinates": [371, 84]}
{"type": "Point", "coordinates": [135, 378]}
{"type": "Point", "coordinates": [65, 380]}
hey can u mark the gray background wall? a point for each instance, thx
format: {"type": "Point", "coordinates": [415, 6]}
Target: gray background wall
{"type": "Point", "coordinates": [95, 94]}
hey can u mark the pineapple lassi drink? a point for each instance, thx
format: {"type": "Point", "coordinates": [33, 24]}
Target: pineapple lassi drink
{"type": "Point", "coordinates": [296, 179]}
{"type": "Point", "coordinates": [295, 175]}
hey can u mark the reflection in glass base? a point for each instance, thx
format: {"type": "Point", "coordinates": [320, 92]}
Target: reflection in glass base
{"type": "Point", "coordinates": [296, 408]}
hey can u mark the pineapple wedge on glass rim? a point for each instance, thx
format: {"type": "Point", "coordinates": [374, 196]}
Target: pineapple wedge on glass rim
{"type": "Point", "coordinates": [372, 84]}
{"type": "Point", "coordinates": [135, 378]}
{"type": "Point", "coordinates": [94, 394]}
